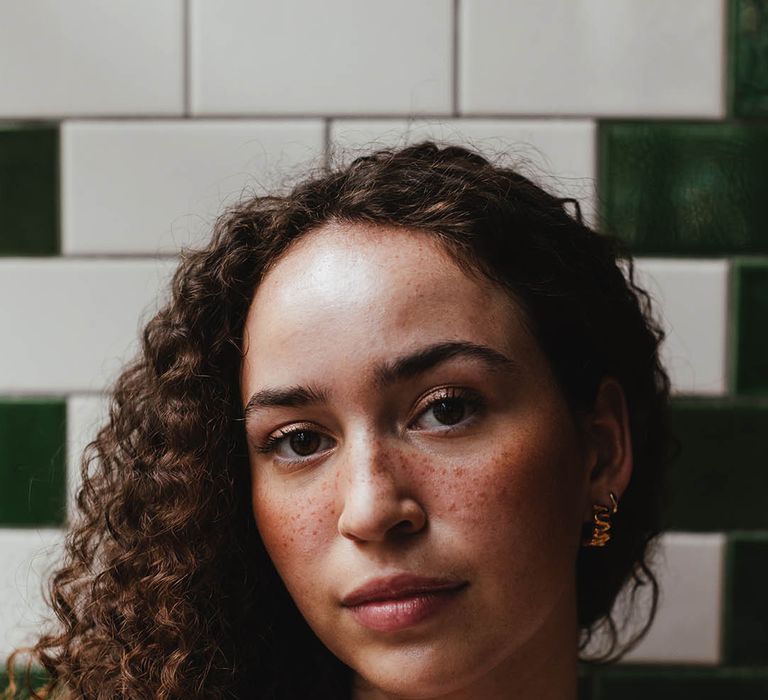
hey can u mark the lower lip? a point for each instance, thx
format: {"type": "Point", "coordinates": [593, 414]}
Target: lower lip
{"type": "Point", "coordinates": [402, 613]}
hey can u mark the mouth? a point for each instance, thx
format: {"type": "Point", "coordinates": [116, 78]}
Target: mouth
{"type": "Point", "coordinates": [399, 602]}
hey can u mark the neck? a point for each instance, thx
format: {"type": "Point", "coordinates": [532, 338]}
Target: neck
{"type": "Point", "coordinates": [544, 668]}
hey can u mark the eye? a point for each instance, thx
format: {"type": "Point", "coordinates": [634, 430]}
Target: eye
{"type": "Point", "coordinates": [450, 407]}
{"type": "Point", "coordinates": [295, 444]}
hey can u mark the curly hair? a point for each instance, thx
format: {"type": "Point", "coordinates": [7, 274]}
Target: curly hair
{"type": "Point", "coordinates": [167, 591]}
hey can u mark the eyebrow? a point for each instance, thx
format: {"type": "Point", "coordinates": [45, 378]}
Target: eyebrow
{"type": "Point", "coordinates": [424, 359]}
{"type": "Point", "coordinates": [385, 374]}
{"type": "Point", "coordinates": [291, 396]}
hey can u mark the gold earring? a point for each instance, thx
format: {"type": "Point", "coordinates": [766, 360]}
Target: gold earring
{"type": "Point", "coordinates": [602, 523]}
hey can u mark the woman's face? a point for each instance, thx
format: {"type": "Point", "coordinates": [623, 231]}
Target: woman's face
{"type": "Point", "coordinates": [418, 480]}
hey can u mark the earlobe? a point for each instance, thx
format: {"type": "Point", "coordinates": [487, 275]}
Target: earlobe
{"type": "Point", "coordinates": [610, 444]}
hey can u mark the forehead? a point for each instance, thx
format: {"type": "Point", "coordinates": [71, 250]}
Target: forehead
{"type": "Point", "coordinates": [367, 292]}
{"type": "Point", "coordinates": [358, 254]}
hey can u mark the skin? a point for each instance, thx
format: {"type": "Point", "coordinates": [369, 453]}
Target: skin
{"type": "Point", "coordinates": [495, 498]}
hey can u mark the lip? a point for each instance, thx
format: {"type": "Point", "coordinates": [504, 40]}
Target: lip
{"type": "Point", "coordinates": [398, 586]}
{"type": "Point", "coordinates": [397, 602]}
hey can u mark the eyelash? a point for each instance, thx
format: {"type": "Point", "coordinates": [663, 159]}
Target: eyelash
{"type": "Point", "coordinates": [472, 400]}
{"type": "Point", "coordinates": [271, 443]}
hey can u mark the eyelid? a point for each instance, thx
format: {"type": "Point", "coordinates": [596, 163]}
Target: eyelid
{"type": "Point", "coordinates": [473, 398]}
{"type": "Point", "coordinates": [273, 439]}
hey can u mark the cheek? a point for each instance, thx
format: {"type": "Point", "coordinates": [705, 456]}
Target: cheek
{"type": "Point", "coordinates": [296, 526]}
{"type": "Point", "coordinates": [513, 495]}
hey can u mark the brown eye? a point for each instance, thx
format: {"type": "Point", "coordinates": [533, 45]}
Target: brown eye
{"type": "Point", "coordinates": [452, 409]}
{"type": "Point", "coordinates": [449, 411]}
{"type": "Point", "coordinates": [304, 442]}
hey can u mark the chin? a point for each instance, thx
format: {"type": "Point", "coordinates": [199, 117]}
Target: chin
{"type": "Point", "coordinates": [416, 674]}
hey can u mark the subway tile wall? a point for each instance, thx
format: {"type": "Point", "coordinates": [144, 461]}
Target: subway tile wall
{"type": "Point", "coordinates": [126, 127]}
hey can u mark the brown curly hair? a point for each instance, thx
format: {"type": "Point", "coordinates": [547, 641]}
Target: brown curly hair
{"type": "Point", "coordinates": [167, 591]}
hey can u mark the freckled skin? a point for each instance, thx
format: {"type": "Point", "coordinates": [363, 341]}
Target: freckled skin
{"type": "Point", "coordinates": [498, 504]}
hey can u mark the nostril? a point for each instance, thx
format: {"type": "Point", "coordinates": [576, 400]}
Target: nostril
{"type": "Point", "coordinates": [404, 527]}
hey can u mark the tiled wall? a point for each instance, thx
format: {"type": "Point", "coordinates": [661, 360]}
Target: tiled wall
{"type": "Point", "coordinates": [125, 127]}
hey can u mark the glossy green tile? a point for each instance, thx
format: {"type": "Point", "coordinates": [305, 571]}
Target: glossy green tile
{"type": "Point", "coordinates": [670, 683]}
{"type": "Point", "coordinates": [720, 480]}
{"type": "Point", "coordinates": [748, 58]}
{"type": "Point", "coordinates": [751, 351]}
{"type": "Point", "coordinates": [746, 606]}
{"type": "Point", "coordinates": [32, 462]}
{"type": "Point", "coordinates": [29, 174]}
{"type": "Point", "coordinates": [673, 188]}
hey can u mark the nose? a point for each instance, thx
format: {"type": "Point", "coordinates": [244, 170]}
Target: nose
{"type": "Point", "coordinates": [377, 500]}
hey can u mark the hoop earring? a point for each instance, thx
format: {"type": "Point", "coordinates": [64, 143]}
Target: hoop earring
{"type": "Point", "coordinates": [602, 523]}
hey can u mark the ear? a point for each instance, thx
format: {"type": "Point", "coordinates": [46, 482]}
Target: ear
{"type": "Point", "coordinates": [608, 446]}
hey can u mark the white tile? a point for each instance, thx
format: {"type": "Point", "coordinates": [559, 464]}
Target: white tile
{"type": "Point", "coordinates": [558, 154]}
{"type": "Point", "coordinates": [86, 57]}
{"type": "Point", "coordinates": [592, 57]}
{"type": "Point", "coordinates": [687, 626]}
{"type": "Point", "coordinates": [149, 186]}
{"type": "Point", "coordinates": [28, 557]}
{"type": "Point", "coordinates": [331, 57]}
{"type": "Point", "coordinates": [69, 325]}
{"type": "Point", "coordinates": [85, 415]}
{"type": "Point", "coordinates": [691, 298]}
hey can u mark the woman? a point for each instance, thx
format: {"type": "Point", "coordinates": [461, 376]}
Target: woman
{"type": "Point", "coordinates": [399, 433]}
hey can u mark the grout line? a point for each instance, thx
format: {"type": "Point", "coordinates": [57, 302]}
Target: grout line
{"type": "Point", "coordinates": [185, 40]}
{"type": "Point", "coordinates": [105, 256]}
{"type": "Point", "coordinates": [59, 190]}
{"type": "Point", "coordinates": [728, 38]}
{"type": "Point", "coordinates": [455, 61]}
{"type": "Point", "coordinates": [726, 608]}
{"type": "Point", "coordinates": [326, 144]}
{"type": "Point", "coordinates": [62, 395]}
{"type": "Point", "coordinates": [19, 122]}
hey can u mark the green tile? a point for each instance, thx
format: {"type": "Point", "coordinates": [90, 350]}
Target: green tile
{"type": "Point", "coordinates": [746, 605]}
{"type": "Point", "coordinates": [720, 480]}
{"type": "Point", "coordinates": [29, 174]}
{"type": "Point", "coordinates": [585, 685]}
{"type": "Point", "coordinates": [38, 678]}
{"type": "Point", "coordinates": [748, 58]}
{"type": "Point", "coordinates": [670, 683]}
{"type": "Point", "coordinates": [32, 462]}
{"type": "Point", "coordinates": [751, 336]}
{"type": "Point", "coordinates": [674, 188]}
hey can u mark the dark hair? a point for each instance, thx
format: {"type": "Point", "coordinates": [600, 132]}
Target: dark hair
{"type": "Point", "coordinates": [167, 591]}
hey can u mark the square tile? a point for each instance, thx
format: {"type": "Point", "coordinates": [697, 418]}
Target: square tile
{"type": "Point", "coordinates": [77, 321]}
{"type": "Point", "coordinates": [84, 57]}
{"type": "Point", "coordinates": [585, 686]}
{"type": "Point", "coordinates": [85, 415]}
{"type": "Point", "coordinates": [746, 639]}
{"type": "Point", "coordinates": [719, 480]}
{"type": "Point", "coordinates": [684, 188]}
{"type": "Point", "coordinates": [142, 187]}
{"type": "Point", "coordinates": [32, 461]}
{"type": "Point", "coordinates": [558, 154]}
{"type": "Point", "coordinates": [676, 683]}
{"type": "Point", "coordinates": [37, 675]}
{"type": "Point", "coordinates": [687, 626]}
{"type": "Point", "coordinates": [29, 557]}
{"type": "Point", "coordinates": [592, 57]}
{"type": "Point", "coordinates": [751, 327]}
{"type": "Point", "coordinates": [29, 190]}
{"type": "Point", "coordinates": [691, 299]}
{"type": "Point", "coordinates": [335, 57]}
{"type": "Point", "coordinates": [748, 70]}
